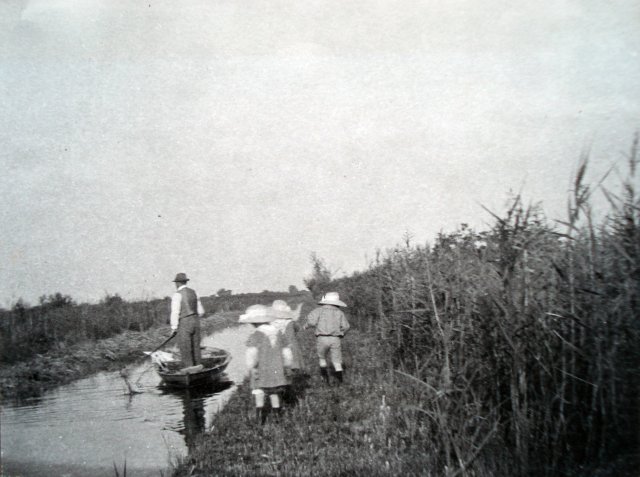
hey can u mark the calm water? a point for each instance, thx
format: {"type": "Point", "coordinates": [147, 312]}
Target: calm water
{"type": "Point", "coordinates": [82, 429]}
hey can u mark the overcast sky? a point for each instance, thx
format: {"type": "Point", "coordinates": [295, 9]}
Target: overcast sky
{"type": "Point", "coordinates": [229, 139]}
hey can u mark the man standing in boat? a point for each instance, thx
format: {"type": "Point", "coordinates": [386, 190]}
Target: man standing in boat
{"type": "Point", "coordinates": [186, 310]}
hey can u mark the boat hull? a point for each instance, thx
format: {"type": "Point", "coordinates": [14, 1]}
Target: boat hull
{"type": "Point", "coordinates": [212, 371]}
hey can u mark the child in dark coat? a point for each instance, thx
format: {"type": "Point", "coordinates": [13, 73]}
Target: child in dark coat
{"type": "Point", "coordinates": [268, 354]}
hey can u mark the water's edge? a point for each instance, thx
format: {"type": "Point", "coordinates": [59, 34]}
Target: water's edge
{"type": "Point", "coordinates": [24, 380]}
{"type": "Point", "coordinates": [91, 425]}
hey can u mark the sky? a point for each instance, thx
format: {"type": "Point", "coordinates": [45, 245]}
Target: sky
{"type": "Point", "coordinates": [231, 139]}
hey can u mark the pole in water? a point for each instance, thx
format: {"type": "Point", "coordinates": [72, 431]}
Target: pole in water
{"type": "Point", "coordinates": [124, 373]}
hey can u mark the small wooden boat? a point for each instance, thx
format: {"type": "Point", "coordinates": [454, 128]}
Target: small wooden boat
{"type": "Point", "coordinates": [173, 374]}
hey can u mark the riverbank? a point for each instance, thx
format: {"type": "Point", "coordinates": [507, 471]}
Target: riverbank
{"type": "Point", "coordinates": [331, 430]}
{"type": "Point", "coordinates": [63, 365]}
{"type": "Point", "coordinates": [380, 422]}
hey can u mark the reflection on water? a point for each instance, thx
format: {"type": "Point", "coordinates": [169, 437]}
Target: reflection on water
{"type": "Point", "coordinates": [88, 426]}
{"type": "Point", "coordinates": [194, 402]}
{"type": "Point", "coordinates": [193, 418]}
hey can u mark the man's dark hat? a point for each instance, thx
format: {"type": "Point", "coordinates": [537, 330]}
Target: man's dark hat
{"type": "Point", "coordinates": [181, 277]}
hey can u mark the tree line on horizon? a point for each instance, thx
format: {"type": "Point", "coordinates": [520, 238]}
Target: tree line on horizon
{"type": "Point", "coordinates": [58, 321]}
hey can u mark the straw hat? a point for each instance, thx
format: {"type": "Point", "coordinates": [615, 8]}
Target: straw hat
{"type": "Point", "coordinates": [257, 314]}
{"type": "Point", "coordinates": [181, 277]}
{"type": "Point", "coordinates": [281, 310]}
{"type": "Point", "coordinates": [332, 298]}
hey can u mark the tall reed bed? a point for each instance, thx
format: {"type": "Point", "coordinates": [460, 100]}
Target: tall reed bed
{"type": "Point", "coordinates": [519, 345]}
{"type": "Point", "coordinates": [59, 322]}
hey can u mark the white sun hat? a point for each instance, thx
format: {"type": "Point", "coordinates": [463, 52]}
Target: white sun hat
{"type": "Point", "coordinates": [257, 314]}
{"type": "Point", "coordinates": [281, 310]}
{"type": "Point", "coordinates": [332, 298]}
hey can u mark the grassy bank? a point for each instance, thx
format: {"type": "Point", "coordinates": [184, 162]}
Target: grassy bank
{"type": "Point", "coordinates": [61, 365]}
{"type": "Point", "coordinates": [349, 430]}
{"type": "Point", "coordinates": [508, 351]}
{"type": "Point", "coordinates": [379, 422]}
{"type": "Point", "coordinates": [330, 431]}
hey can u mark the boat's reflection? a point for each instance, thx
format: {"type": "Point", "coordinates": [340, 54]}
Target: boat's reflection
{"type": "Point", "coordinates": [193, 407]}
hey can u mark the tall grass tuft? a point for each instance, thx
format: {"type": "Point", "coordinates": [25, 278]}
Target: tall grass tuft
{"type": "Point", "coordinates": [519, 345]}
{"type": "Point", "coordinates": [124, 469]}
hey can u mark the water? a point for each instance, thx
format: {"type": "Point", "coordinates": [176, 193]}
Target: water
{"type": "Point", "coordinates": [84, 428]}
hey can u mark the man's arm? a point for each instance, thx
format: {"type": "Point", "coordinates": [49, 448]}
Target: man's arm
{"type": "Point", "coordinates": [344, 324]}
{"type": "Point", "coordinates": [200, 308]}
{"type": "Point", "coordinates": [176, 299]}
{"type": "Point", "coordinates": [312, 319]}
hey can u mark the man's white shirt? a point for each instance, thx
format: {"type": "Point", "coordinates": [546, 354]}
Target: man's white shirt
{"type": "Point", "coordinates": [176, 301]}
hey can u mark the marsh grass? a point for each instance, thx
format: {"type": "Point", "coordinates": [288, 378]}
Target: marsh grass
{"type": "Point", "coordinates": [124, 469]}
{"type": "Point", "coordinates": [336, 430]}
{"type": "Point", "coordinates": [377, 423]}
{"type": "Point", "coordinates": [33, 376]}
{"type": "Point", "coordinates": [523, 338]}
{"type": "Point", "coordinates": [512, 351]}
{"type": "Point", "coordinates": [58, 323]}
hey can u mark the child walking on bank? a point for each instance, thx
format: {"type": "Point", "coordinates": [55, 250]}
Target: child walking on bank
{"type": "Point", "coordinates": [288, 326]}
{"type": "Point", "coordinates": [268, 354]}
{"type": "Point", "coordinates": [330, 325]}
{"type": "Point", "coordinates": [286, 322]}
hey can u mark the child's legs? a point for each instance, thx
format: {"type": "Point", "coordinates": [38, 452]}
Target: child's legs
{"type": "Point", "coordinates": [322, 347]}
{"type": "Point", "coordinates": [336, 353]}
{"type": "Point", "coordinates": [258, 395]}
{"type": "Point", "coordinates": [275, 400]}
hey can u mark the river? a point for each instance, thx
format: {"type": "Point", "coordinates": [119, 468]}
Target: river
{"type": "Point", "coordinates": [93, 426]}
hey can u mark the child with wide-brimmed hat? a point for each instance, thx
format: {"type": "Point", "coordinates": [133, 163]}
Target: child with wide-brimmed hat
{"type": "Point", "coordinates": [287, 323]}
{"type": "Point", "coordinates": [268, 354]}
{"type": "Point", "coordinates": [330, 325]}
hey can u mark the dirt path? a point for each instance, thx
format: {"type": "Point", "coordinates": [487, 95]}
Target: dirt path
{"type": "Point", "coordinates": [60, 366]}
